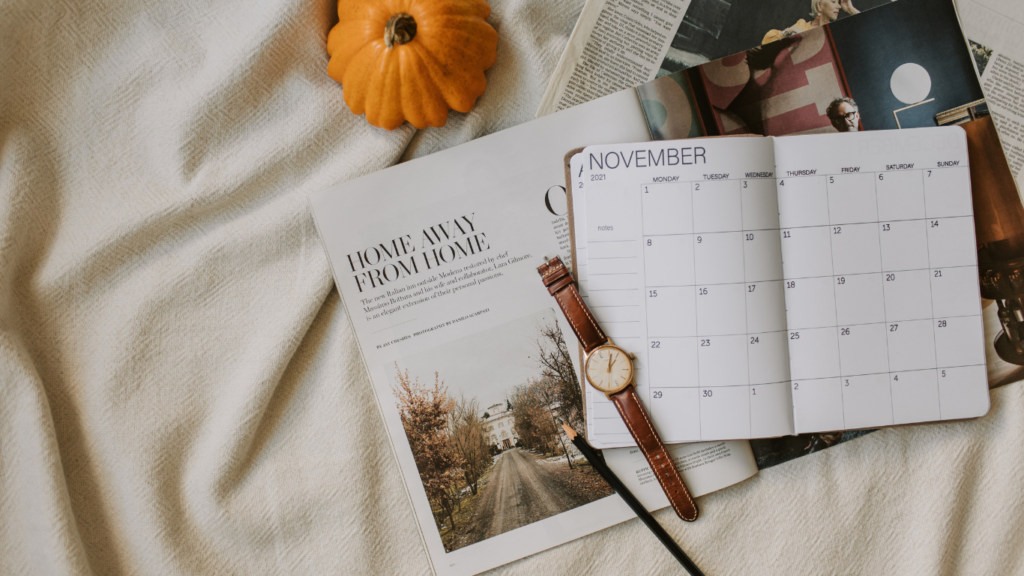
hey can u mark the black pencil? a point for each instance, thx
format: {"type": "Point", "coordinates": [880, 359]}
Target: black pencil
{"type": "Point", "coordinates": [598, 463]}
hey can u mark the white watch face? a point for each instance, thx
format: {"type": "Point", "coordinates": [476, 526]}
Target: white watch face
{"type": "Point", "coordinates": [609, 369]}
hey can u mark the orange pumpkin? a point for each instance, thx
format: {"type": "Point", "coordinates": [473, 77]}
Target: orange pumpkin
{"type": "Point", "coordinates": [411, 60]}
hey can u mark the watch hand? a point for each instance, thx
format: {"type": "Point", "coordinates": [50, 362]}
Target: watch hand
{"type": "Point", "coordinates": [610, 357]}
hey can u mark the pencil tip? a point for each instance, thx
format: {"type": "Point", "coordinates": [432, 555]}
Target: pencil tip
{"type": "Point", "coordinates": [569, 431]}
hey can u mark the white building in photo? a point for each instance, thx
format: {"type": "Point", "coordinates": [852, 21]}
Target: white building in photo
{"type": "Point", "coordinates": [499, 425]}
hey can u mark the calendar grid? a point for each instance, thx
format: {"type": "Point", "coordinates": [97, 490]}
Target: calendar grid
{"type": "Point", "coordinates": [776, 383]}
{"type": "Point", "coordinates": [846, 319]}
{"type": "Point", "coordinates": [905, 259]}
{"type": "Point", "coordinates": [746, 347]}
{"type": "Point", "coordinates": [886, 373]}
{"type": "Point", "coordinates": [858, 375]}
{"type": "Point", "coordinates": [890, 270]}
{"type": "Point", "coordinates": [845, 324]}
{"type": "Point", "coordinates": [643, 262]}
{"type": "Point", "coordinates": [835, 312]}
{"type": "Point", "coordinates": [718, 320]}
{"type": "Point", "coordinates": [931, 295]}
{"type": "Point", "coordinates": [892, 221]}
{"type": "Point", "coordinates": [737, 385]}
{"type": "Point", "coordinates": [696, 316]}
{"type": "Point", "coordinates": [718, 231]}
{"type": "Point", "coordinates": [821, 173]}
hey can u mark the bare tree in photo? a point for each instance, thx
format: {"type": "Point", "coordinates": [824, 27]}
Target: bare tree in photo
{"type": "Point", "coordinates": [426, 414]}
{"type": "Point", "coordinates": [556, 366]}
{"type": "Point", "coordinates": [470, 440]}
{"type": "Point", "coordinates": [547, 390]}
{"type": "Point", "coordinates": [533, 423]}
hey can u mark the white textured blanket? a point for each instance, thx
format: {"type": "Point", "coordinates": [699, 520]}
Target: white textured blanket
{"type": "Point", "coordinates": [180, 392]}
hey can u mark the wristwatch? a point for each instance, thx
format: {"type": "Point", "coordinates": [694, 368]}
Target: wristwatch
{"type": "Point", "coordinates": [609, 369]}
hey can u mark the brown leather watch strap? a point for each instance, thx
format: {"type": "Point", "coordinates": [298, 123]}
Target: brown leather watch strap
{"type": "Point", "coordinates": [635, 416]}
{"type": "Point", "coordinates": [561, 285]}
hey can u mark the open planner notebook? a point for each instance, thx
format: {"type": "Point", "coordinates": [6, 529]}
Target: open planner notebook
{"type": "Point", "coordinates": [774, 286]}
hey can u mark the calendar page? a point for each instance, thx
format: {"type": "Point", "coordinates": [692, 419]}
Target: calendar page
{"type": "Point", "coordinates": [882, 294]}
{"type": "Point", "coordinates": [611, 431]}
{"type": "Point", "coordinates": [782, 286]}
{"type": "Point", "coordinates": [684, 268]}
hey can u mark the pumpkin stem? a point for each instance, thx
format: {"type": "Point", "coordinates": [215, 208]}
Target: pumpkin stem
{"type": "Point", "coordinates": [400, 29]}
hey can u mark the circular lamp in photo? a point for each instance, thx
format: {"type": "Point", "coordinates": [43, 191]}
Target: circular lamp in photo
{"type": "Point", "coordinates": [910, 83]}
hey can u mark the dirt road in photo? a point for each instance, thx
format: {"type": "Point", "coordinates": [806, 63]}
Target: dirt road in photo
{"type": "Point", "coordinates": [522, 490]}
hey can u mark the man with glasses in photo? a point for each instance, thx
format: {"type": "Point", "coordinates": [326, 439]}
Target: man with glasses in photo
{"type": "Point", "coordinates": [844, 114]}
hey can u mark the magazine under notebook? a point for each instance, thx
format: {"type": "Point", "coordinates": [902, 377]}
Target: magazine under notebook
{"type": "Point", "coordinates": [469, 359]}
{"type": "Point", "coordinates": [775, 286]}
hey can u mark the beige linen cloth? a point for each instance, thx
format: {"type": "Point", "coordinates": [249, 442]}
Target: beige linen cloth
{"type": "Point", "coordinates": [180, 391]}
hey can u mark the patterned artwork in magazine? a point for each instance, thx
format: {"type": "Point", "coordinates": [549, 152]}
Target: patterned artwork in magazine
{"type": "Point", "coordinates": [902, 65]}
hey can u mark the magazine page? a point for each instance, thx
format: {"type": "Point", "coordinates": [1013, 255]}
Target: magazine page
{"type": "Point", "coordinates": [470, 360]}
{"type": "Point", "coordinates": [618, 44]}
{"type": "Point", "coordinates": [901, 65]}
{"type": "Point", "coordinates": [996, 32]}
{"type": "Point", "coordinates": [705, 467]}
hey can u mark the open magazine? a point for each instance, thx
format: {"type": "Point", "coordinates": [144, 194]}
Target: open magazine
{"type": "Point", "coordinates": [996, 32]}
{"type": "Point", "coordinates": [618, 44]}
{"type": "Point", "coordinates": [471, 362]}
{"type": "Point", "coordinates": [435, 260]}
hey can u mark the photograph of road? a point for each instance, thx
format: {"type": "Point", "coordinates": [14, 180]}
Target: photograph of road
{"type": "Point", "coordinates": [483, 418]}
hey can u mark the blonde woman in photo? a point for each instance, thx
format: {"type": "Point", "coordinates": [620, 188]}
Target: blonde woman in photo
{"type": "Point", "coordinates": [822, 12]}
